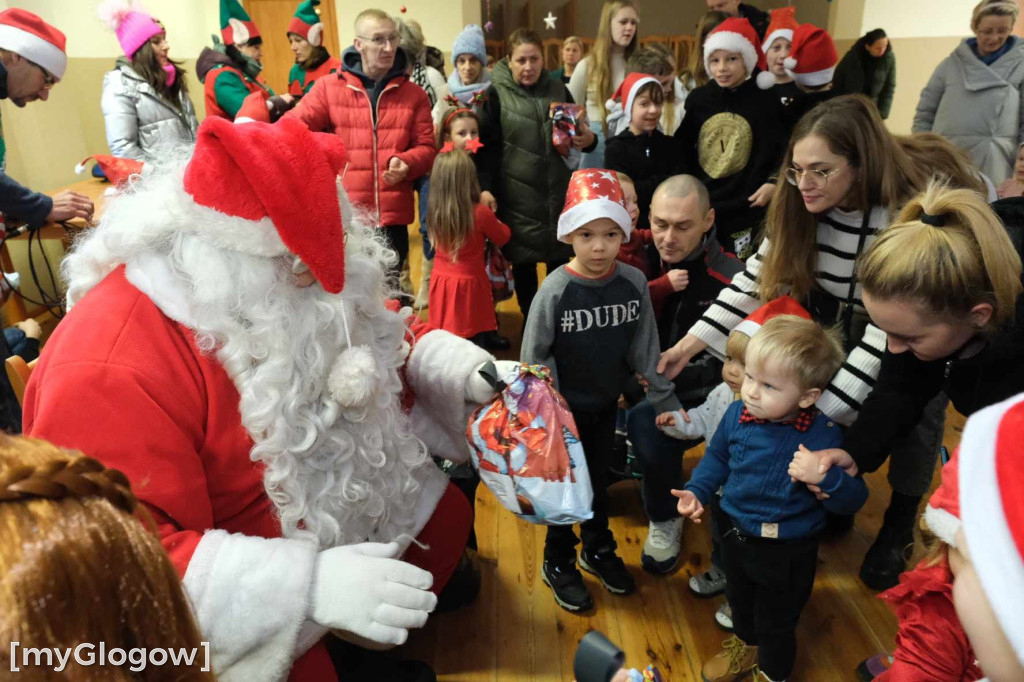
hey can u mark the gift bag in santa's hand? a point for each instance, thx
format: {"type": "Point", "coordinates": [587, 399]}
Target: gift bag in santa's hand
{"type": "Point", "coordinates": [527, 451]}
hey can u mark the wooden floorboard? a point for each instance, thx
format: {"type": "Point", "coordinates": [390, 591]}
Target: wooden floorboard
{"type": "Point", "coordinates": [515, 632]}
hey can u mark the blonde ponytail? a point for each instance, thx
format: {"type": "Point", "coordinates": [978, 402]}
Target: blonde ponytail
{"type": "Point", "coordinates": [949, 251]}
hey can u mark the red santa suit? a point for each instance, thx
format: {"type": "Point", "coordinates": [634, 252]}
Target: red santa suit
{"type": "Point", "coordinates": [122, 379]}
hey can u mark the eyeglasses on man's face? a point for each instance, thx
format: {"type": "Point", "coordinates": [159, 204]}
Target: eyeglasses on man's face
{"type": "Point", "coordinates": [49, 80]}
{"type": "Point", "coordinates": [816, 178]}
{"type": "Point", "coordinates": [380, 42]}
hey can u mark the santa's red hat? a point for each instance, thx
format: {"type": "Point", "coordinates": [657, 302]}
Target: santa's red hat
{"type": "Point", "coordinates": [116, 169]}
{"type": "Point", "coordinates": [783, 305]}
{"type": "Point", "coordinates": [29, 36]}
{"type": "Point", "coordinates": [812, 58]}
{"type": "Point", "coordinates": [255, 107]}
{"type": "Point", "coordinates": [942, 515]}
{"type": "Point", "coordinates": [782, 25]}
{"type": "Point", "coordinates": [627, 91]}
{"type": "Point", "coordinates": [735, 34]}
{"type": "Point", "coordinates": [594, 193]}
{"type": "Point", "coordinates": [281, 181]}
{"type": "Point", "coordinates": [992, 507]}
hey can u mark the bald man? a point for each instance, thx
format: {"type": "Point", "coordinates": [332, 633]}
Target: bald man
{"type": "Point", "coordinates": [692, 268]}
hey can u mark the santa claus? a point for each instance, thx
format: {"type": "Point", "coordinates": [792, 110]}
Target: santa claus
{"type": "Point", "coordinates": [230, 348]}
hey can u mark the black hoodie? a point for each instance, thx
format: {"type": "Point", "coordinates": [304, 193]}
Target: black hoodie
{"type": "Point", "coordinates": [647, 160]}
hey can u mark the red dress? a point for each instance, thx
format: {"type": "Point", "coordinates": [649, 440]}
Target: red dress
{"type": "Point", "coordinates": [931, 645]}
{"type": "Point", "coordinates": [460, 293]}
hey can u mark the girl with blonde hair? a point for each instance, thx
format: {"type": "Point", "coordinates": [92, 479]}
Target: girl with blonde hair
{"type": "Point", "coordinates": [572, 53]}
{"type": "Point", "coordinates": [842, 178]}
{"type": "Point", "coordinates": [81, 563]}
{"type": "Point", "coordinates": [599, 74]}
{"type": "Point", "coordinates": [695, 75]}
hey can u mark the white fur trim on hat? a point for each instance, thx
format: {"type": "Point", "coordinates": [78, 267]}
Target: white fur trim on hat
{"type": "Point", "coordinates": [748, 327]}
{"type": "Point", "coordinates": [591, 210]}
{"type": "Point", "coordinates": [631, 96]}
{"type": "Point", "coordinates": [786, 33]}
{"type": "Point", "coordinates": [35, 49]}
{"type": "Point", "coordinates": [254, 237]}
{"type": "Point", "coordinates": [730, 42]}
{"type": "Point", "coordinates": [942, 524]}
{"type": "Point", "coordinates": [812, 79]}
{"type": "Point", "coordinates": [990, 541]}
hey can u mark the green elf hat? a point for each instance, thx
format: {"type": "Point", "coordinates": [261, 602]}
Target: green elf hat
{"type": "Point", "coordinates": [236, 27]}
{"type": "Point", "coordinates": [306, 23]}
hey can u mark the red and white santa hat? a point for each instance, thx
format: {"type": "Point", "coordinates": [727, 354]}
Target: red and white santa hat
{"type": "Point", "coordinates": [782, 25]}
{"type": "Point", "coordinates": [281, 182]}
{"type": "Point", "coordinates": [116, 170]}
{"type": "Point", "coordinates": [593, 193]}
{"type": "Point", "coordinates": [942, 515]}
{"type": "Point", "coordinates": [992, 507]}
{"type": "Point", "coordinates": [735, 34]}
{"type": "Point", "coordinates": [627, 91]}
{"type": "Point", "coordinates": [29, 36]}
{"type": "Point", "coordinates": [812, 58]}
{"type": "Point", "coordinates": [783, 305]}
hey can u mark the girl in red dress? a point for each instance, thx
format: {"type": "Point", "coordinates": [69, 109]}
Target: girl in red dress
{"type": "Point", "coordinates": [460, 292]}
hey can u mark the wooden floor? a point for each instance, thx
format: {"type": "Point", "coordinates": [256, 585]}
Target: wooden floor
{"type": "Point", "coordinates": [514, 631]}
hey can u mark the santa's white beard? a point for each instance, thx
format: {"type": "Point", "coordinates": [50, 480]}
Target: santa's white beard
{"type": "Point", "coordinates": [343, 475]}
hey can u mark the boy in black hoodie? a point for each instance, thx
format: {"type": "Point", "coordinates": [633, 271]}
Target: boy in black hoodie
{"type": "Point", "coordinates": [643, 152]}
{"type": "Point", "coordinates": [732, 135]}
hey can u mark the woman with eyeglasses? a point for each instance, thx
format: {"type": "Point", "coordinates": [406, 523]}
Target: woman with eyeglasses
{"type": "Point", "coordinates": [975, 97]}
{"type": "Point", "coordinates": [145, 98]}
{"type": "Point", "coordinates": [846, 175]}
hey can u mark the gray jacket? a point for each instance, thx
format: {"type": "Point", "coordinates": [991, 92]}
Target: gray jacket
{"type": "Point", "coordinates": [139, 120]}
{"type": "Point", "coordinates": [978, 107]}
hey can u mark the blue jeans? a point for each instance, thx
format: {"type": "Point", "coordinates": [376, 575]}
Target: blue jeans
{"type": "Point", "coordinates": [422, 187]}
{"type": "Point", "coordinates": [662, 460]}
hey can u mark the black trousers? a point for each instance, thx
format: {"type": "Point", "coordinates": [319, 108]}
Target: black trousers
{"type": "Point", "coordinates": [526, 282]}
{"type": "Point", "coordinates": [769, 584]}
{"type": "Point", "coordinates": [597, 435]}
{"type": "Point", "coordinates": [397, 237]}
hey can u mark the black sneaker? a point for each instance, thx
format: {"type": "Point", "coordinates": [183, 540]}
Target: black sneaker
{"type": "Point", "coordinates": [887, 559]}
{"type": "Point", "coordinates": [607, 566]}
{"type": "Point", "coordinates": [566, 582]}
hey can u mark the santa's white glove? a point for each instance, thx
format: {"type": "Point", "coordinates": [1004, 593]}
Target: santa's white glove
{"type": "Point", "coordinates": [365, 590]}
{"type": "Point", "coordinates": [479, 389]}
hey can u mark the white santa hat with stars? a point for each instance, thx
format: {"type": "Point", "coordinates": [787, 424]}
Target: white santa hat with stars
{"type": "Point", "coordinates": [593, 194]}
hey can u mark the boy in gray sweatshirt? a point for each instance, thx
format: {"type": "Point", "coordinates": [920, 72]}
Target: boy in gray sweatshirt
{"type": "Point", "coordinates": [593, 325]}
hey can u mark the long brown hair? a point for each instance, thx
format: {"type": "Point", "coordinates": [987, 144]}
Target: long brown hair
{"type": "Point", "coordinates": [885, 176]}
{"type": "Point", "coordinates": [600, 64]}
{"type": "Point", "coordinates": [950, 268]}
{"type": "Point", "coordinates": [454, 193]}
{"type": "Point", "coordinates": [695, 59]}
{"type": "Point", "coordinates": [946, 162]}
{"type": "Point", "coordinates": [145, 63]}
{"type": "Point", "coordinates": [79, 566]}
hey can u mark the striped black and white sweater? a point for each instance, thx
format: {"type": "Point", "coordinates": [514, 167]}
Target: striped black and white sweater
{"type": "Point", "coordinates": [838, 237]}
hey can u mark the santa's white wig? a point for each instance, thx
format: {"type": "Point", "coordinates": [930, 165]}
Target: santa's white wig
{"type": "Point", "coordinates": [343, 474]}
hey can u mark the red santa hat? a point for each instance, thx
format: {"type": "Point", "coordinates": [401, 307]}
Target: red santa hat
{"type": "Point", "coordinates": [942, 515]}
{"type": "Point", "coordinates": [627, 92]}
{"type": "Point", "coordinates": [783, 25]}
{"type": "Point", "coordinates": [735, 34]}
{"type": "Point", "coordinates": [594, 193]}
{"type": "Point", "coordinates": [992, 506]}
{"type": "Point", "coordinates": [29, 36]}
{"type": "Point", "coordinates": [281, 182]}
{"type": "Point", "coordinates": [783, 305]}
{"type": "Point", "coordinates": [116, 169]}
{"type": "Point", "coordinates": [812, 58]}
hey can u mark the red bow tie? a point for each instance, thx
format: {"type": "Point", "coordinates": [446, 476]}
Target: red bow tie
{"type": "Point", "coordinates": [801, 422]}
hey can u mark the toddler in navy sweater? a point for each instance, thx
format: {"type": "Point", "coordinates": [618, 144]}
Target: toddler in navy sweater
{"type": "Point", "coordinates": [761, 455]}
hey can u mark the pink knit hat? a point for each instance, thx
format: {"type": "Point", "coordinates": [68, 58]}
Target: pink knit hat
{"type": "Point", "coordinates": [132, 25]}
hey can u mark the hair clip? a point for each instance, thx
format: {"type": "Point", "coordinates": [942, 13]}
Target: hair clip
{"type": "Point", "coordinates": [479, 97]}
{"type": "Point", "coordinates": [933, 220]}
{"type": "Point", "coordinates": [460, 110]}
{"type": "Point", "coordinates": [453, 100]}
{"type": "Point", "coordinates": [448, 147]}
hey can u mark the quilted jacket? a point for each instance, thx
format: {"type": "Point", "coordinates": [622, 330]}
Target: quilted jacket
{"type": "Point", "coordinates": [377, 121]}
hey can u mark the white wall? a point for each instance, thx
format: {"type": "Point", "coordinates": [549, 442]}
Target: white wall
{"type": "Point", "coordinates": [917, 18]}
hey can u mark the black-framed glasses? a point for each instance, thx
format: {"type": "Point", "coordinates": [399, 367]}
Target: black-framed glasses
{"type": "Point", "coordinates": [817, 178]}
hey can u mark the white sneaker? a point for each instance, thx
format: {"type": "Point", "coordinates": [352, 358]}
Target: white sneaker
{"type": "Point", "coordinates": [661, 551]}
{"type": "Point", "coordinates": [723, 617]}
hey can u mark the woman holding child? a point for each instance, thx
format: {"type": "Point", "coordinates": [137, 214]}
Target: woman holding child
{"type": "Point", "coordinates": [845, 176]}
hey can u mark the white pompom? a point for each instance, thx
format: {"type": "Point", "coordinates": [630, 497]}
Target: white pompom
{"type": "Point", "coordinates": [789, 63]}
{"type": "Point", "coordinates": [80, 167]}
{"type": "Point", "coordinates": [765, 80]}
{"type": "Point", "coordinates": [113, 12]}
{"type": "Point", "coordinates": [354, 377]}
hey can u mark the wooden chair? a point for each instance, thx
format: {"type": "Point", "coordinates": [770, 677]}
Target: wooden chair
{"type": "Point", "coordinates": [552, 53]}
{"type": "Point", "coordinates": [18, 372]}
{"type": "Point", "coordinates": [681, 48]}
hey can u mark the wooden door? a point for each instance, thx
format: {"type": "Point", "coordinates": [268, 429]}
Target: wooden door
{"type": "Point", "coordinates": [272, 18]}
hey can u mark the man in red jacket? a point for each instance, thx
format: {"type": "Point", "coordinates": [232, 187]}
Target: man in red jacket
{"type": "Point", "coordinates": [384, 119]}
{"type": "Point", "coordinates": [231, 351]}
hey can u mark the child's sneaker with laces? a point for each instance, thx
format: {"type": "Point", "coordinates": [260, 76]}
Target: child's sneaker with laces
{"type": "Point", "coordinates": [566, 582]}
{"type": "Point", "coordinates": [710, 583]}
{"type": "Point", "coordinates": [663, 545]}
{"type": "Point", "coordinates": [734, 662]}
{"type": "Point", "coordinates": [607, 566]}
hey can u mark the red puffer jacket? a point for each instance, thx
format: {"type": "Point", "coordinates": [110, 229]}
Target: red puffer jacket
{"type": "Point", "coordinates": [404, 129]}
